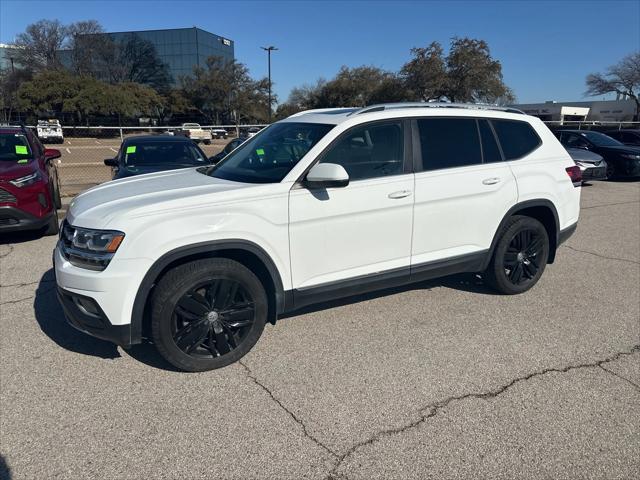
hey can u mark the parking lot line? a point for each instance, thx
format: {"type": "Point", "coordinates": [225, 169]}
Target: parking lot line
{"type": "Point", "coordinates": [68, 151]}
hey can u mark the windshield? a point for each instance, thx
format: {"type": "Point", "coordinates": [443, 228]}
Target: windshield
{"type": "Point", "coordinates": [163, 153]}
{"type": "Point", "coordinates": [14, 147]}
{"type": "Point", "coordinates": [271, 154]}
{"type": "Point", "coordinates": [601, 140]}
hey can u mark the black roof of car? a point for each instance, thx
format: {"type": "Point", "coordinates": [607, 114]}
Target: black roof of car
{"type": "Point", "coordinates": [156, 138]}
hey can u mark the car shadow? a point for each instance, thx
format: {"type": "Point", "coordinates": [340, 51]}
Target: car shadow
{"type": "Point", "coordinates": [5, 471]}
{"type": "Point", "coordinates": [51, 320]}
{"type": "Point", "coordinates": [21, 237]}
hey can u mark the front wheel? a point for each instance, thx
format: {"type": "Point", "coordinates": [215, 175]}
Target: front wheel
{"type": "Point", "coordinates": [520, 256]}
{"type": "Point", "coordinates": [207, 314]}
{"type": "Point", "coordinates": [611, 171]}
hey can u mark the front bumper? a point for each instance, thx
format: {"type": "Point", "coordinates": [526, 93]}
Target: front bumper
{"type": "Point", "coordinates": [108, 294]}
{"type": "Point", "coordinates": [13, 219]}
{"type": "Point", "coordinates": [84, 314]}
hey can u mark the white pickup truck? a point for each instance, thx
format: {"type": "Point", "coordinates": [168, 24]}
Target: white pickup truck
{"type": "Point", "coordinates": [195, 132]}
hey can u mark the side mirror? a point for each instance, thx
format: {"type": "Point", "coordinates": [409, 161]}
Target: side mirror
{"type": "Point", "coordinates": [52, 153]}
{"type": "Point", "coordinates": [111, 162]}
{"type": "Point", "coordinates": [326, 175]}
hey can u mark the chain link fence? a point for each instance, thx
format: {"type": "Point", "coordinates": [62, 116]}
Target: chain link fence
{"type": "Point", "coordinates": [85, 148]}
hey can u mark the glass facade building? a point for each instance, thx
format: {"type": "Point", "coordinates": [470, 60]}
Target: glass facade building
{"type": "Point", "coordinates": [7, 57]}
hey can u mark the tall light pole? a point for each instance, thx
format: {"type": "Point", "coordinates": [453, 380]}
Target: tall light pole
{"type": "Point", "coordinates": [269, 50]}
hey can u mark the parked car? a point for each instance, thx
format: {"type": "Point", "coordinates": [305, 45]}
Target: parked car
{"type": "Point", "coordinates": [50, 131]}
{"type": "Point", "coordinates": [219, 133]}
{"type": "Point", "coordinates": [628, 136]}
{"type": "Point", "coordinates": [319, 206]}
{"type": "Point", "coordinates": [252, 131]}
{"type": "Point", "coordinates": [228, 148]}
{"type": "Point", "coordinates": [29, 185]}
{"type": "Point", "coordinates": [155, 153]}
{"type": "Point", "coordinates": [195, 132]}
{"type": "Point", "coordinates": [592, 165]}
{"type": "Point", "coordinates": [622, 160]}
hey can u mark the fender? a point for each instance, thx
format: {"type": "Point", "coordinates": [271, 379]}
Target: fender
{"type": "Point", "coordinates": [554, 242]}
{"type": "Point", "coordinates": [179, 253]}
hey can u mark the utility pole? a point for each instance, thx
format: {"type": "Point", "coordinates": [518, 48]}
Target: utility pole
{"type": "Point", "coordinates": [269, 50]}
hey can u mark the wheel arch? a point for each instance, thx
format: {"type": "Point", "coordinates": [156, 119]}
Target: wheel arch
{"type": "Point", "coordinates": [542, 210]}
{"type": "Point", "coordinates": [245, 252]}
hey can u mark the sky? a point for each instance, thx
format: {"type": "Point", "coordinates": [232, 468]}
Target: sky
{"type": "Point", "coordinates": [546, 47]}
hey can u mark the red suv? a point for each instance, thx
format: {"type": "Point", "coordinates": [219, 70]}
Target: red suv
{"type": "Point", "coordinates": [29, 187]}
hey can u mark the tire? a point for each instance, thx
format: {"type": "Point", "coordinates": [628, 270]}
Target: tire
{"type": "Point", "coordinates": [55, 189]}
{"type": "Point", "coordinates": [194, 312]}
{"type": "Point", "coordinates": [53, 227]}
{"type": "Point", "coordinates": [207, 142]}
{"type": "Point", "coordinates": [520, 256]}
{"type": "Point", "coordinates": [611, 171]}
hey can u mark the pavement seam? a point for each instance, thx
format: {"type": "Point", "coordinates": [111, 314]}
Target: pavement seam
{"type": "Point", "coordinates": [26, 284]}
{"type": "Point", "coordinates": [291, 414]}
{"type": "Point", "coordinates": [601, 256]}
{"type": "Point", "coordinates": [608, 205]}
{"type": "Point", "coordinates": [621, 377]}
{"type": "Point", "coordinates": [434, 408]}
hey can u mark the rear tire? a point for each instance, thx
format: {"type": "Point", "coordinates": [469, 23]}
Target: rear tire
{"type": "Point", "coordinates": [520, 256]}
{"type": "Point", "coordinates": [207, 314]}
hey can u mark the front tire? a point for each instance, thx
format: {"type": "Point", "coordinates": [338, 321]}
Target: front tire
{"type": "Point", "coordinates": [520, 256]}
{"type": "Point", "coordinates": [207, 314]}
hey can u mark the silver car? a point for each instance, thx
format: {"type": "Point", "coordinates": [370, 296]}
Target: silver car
{"type": "Point", "coordinates": [591, 164]}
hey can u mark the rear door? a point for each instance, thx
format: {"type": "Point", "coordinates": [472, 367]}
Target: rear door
{"type": "Point", "coordinates": [462, 189]}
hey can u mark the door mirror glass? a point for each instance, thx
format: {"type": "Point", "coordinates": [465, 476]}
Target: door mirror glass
{"type": "Point", "coordinates": [111, 162]}
{"type": "Point", "coordinates": [326, 175]}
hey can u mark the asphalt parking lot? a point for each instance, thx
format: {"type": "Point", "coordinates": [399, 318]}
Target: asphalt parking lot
{"type": "Point", "coordinates": [440, 380]}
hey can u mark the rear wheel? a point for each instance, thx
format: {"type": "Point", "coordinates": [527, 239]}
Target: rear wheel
{"type": "Point", "coordinates": [207, 314]}
{"type": "Point", "coordinates": [520, 257]}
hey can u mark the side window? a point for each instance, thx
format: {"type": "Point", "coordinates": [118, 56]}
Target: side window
{"type": "Point", "coordinates": [449, 142]}
{"type": "Point", "coordinates": [490, 151]}
{"type": "Point", "coordinates": [517, 139]}
{"type": "Point", "coordinates": [370, 151]}
{"type": "Point", "coordinates": [574, 140]}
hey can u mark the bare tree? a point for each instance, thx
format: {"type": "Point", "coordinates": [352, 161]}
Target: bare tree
{"type": "Point", "coordinates": [622, 78]}
{"type": "Point", "coordinates": [39, 45]}
{"type": "Point", "coordinates": [88, 46]}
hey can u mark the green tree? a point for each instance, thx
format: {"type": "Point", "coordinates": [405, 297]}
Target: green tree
{"type": "Point", "coordinates": [622, 78]}
{"type": "Point", "coordinates": [473, 75]}
{"type": "Point", "coordinates": [425, 75]}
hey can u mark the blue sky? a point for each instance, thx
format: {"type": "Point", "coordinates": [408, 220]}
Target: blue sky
{"type": "Point", "coordinates": [546, 47]}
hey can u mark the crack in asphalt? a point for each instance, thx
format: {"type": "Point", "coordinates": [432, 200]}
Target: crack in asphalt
{"type": "Point", "coordinates": [8, 253]}
{"type": "Point", "coordinates": [291, 414]}
{"type": "Point", "coordinates": [431, 410]}
{"type": "Point", "coordinates": [620, 377]}
{"type": "Point", "coordinates": [600, 255]}
{"type": "Point", "coordinates": [26, 283]}
{"type": "Point", "coordinates": [607, 205]}
{"type": "Point", "coordinates": [9, 302]}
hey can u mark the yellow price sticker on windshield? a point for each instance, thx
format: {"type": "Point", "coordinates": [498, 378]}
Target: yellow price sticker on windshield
{"type": "Point", "coordinates": [21, 150]}
{"type": "Point", "coordinates": [131, 149]}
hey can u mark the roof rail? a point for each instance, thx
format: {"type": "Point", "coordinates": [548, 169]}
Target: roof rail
{"type": "Point", "coordinates": [324, 110]}
{"type": "Point", "coordinates": [470, 106]}
{"type": "Point", "coordinates": [14, 125]}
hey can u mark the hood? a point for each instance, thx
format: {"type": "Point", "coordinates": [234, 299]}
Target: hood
{"type": "Point", "coordinates": [584, 156]}
{"type": "Point", "coordinates": [143, 170]}
{"type": "Point", "coordinates": [11, 169]}
{"type": "Point", "coordinates": [148, 194]}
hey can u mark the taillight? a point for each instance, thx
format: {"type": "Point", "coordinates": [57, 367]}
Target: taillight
{"type": "Point", "coordinates": [575, 174]}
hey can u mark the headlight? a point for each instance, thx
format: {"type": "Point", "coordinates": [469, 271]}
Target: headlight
{"type": "Point", "coordinates": [630, 156]}
{"type": "Point", "coordinates": [26, 180]}
{"type": "Point", "coordinates": [89, 248]}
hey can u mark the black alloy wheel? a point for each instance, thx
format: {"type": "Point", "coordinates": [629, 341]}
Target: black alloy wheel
{"type": "Point", "coordinates": [519, 257]}
{"type": "Point", "coordinates": [212, 319]}
{"type": "Point", "coordinates": [521, 260]}
{"type": "Point", "coordinates": [207, 313]}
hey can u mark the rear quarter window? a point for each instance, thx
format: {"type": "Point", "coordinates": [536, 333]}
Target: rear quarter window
{"type": "Point", "coordinates": [516, 138]}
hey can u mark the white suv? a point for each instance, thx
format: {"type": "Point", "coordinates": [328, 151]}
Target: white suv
{"type": "Point", "coordinates": [321, 205]}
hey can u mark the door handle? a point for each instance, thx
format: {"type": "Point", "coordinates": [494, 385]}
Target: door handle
{"type": "Point", "coordinates": [400, 194]}
{"type": "Point", "coordinates": [491, 181]}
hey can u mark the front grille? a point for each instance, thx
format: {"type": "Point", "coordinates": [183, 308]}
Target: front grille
{"type": "Point", "coordinates": [6, 197]}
